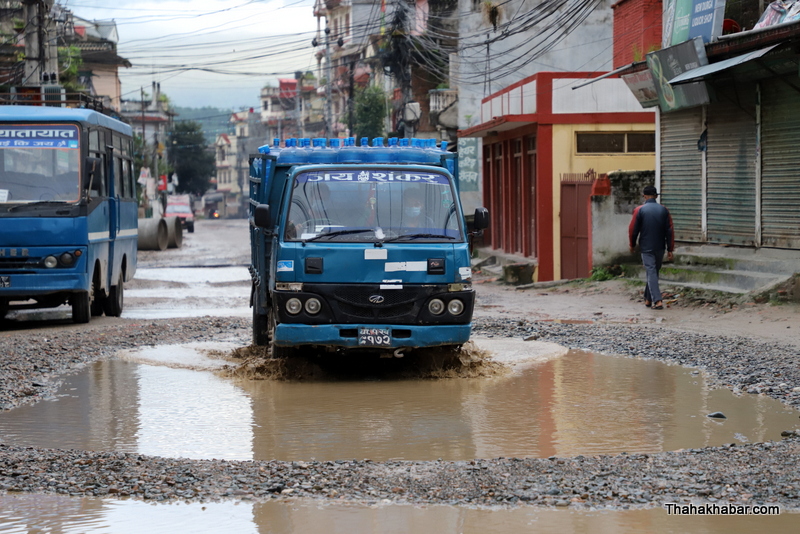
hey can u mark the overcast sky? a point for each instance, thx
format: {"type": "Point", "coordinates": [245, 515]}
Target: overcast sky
{"type": "Point", "coordinates": [207, 52]}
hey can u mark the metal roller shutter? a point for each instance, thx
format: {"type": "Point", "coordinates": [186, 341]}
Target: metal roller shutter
{"type": "Point", "coordinates": [731, 166]}
{"type": "Point", "coordinates": [681, 169]}
{"type": "Point", "coordinates": [780, 165]}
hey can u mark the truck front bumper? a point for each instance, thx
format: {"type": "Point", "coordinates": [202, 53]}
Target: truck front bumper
{"type": "Point", "coordinates": [347, 335]}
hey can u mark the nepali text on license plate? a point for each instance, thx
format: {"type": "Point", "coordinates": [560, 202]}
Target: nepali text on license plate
{"type": "Point", "coordinates": [5, 281]}
{"type": "Point", "coordinates": [374, 337]}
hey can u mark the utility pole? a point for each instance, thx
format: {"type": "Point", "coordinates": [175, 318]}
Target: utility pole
{"type": "Point", "coordinates": [298, 75]}
{"type": "Point", "coordinates": [351, 97]}
{"type": "Point", "coordinates": [40, 58]}
{"type": "Point", "coordinates": [328, 118]}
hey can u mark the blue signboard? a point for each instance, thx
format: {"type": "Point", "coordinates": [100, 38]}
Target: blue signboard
{"type": "Point", "coordinates": [706, 19]}
{"type": "Point", "coordinates": [39, 136]}
{"type": "Point", "coordinates": [371, 176]}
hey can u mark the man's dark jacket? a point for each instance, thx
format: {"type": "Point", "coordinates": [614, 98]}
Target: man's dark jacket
{"type": "Point", "coordinates": [651, 224]}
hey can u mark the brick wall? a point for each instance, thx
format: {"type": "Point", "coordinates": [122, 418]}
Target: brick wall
{"type": "Point", "coordinates": [637, 30]}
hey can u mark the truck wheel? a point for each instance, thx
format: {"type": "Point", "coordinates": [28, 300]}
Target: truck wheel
{"type": "Point", "coordinates": [113, 304]}
{"type": "Point", "coordinates": [190, 227]}
{"type": "Point", "coordinates": [81, 307]}
{"type": "Point", "coordinates": [260, 328]}
{"type": "Point", "coordinates": [277, 352]}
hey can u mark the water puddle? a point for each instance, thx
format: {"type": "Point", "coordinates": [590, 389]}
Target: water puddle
{"type": "Point", "coordinates": [579, 403]}
{"type": "Point", "coordinates": [26, 514]}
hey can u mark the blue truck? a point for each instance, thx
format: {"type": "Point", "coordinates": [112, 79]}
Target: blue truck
{"type": "Point", "coordinates": [359, 247]}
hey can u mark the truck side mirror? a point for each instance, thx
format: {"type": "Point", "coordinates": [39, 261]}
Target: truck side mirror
{"type": "Point", "coordinates": [92, 167]}
{"type": "Point", "coordinates": [261, 216]}
{"type": "Point", "coordinates": [481, 220]}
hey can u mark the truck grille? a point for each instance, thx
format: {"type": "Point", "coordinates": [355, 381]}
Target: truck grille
{"type": "Point", "coordinates": [19, 263]}
{"type": "Point", "coordinates": [356, 302]}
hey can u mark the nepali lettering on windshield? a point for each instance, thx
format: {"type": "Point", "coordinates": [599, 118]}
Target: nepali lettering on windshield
{"type": "Point", "coordinates": [373, 205]}
{"type": "Point", "coordinates": [39, 163]}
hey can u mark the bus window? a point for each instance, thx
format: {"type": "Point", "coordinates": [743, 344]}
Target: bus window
{"type": "Point", "coordinates": [127, 190]}
{"type": "Point", "coordinates": [118, 191]}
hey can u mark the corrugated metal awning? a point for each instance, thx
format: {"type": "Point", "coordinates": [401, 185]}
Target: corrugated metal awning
{"type": "Point", "coordinates": [701, 72]}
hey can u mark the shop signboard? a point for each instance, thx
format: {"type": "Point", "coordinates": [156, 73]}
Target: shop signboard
{"type": "Point", "coordinates": [643, 88]}
{"type": "Point", "coordinates": [670, 62]}
{"type": "Point", "coordinates": [683, 20]}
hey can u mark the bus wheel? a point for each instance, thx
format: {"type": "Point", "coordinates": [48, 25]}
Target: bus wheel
{"type": "Point", "coordinates": [81, 307]}
{"type": "Point", "coordinates": [97, 298]}
{"type": "Point", "coordinates": [114, 302]}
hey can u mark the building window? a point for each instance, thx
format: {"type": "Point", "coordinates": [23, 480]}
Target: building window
{"type": "Point", "coordinates": [616, 143]}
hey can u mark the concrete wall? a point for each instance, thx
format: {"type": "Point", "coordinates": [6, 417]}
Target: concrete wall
{"type": "Point", "coordinates": [565, 158]}
{"type": "Point", "coordinates": [588, 48]}
{"type": "Point", "coordinates": [611, 216]}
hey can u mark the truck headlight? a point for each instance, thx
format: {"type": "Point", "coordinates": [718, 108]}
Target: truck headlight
{"type": "Point", "coordinates": [67, 259]}
{"type": "Point", "coordinates": [436, 307]}
{"type": "Point", "coordinates": [313, 306]}
{"type": "Point", "coordinates": [294, 306]}
{"type": "Point", "coordinates": [455, 307]}
{"type": "Point", "coordinates": [50, 262]}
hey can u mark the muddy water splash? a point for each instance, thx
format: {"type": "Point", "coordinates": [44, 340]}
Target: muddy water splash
{"type": "Point", "coordinates": [470, 361]}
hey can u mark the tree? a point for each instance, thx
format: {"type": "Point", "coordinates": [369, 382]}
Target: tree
{"type": "Point", "coordinates": [370, 112]}
{"type": "Point", "coordinates": [69, 63]}
{"type": "Point", "coordinates": [193, 164]}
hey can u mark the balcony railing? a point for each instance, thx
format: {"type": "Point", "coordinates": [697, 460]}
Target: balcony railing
{"type": "Point", "coordinates": [442, 99]}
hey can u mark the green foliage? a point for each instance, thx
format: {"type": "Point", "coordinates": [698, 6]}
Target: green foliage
{"type": "Point", "coordinates": [69, 63]}
{"type": "Point", "coordinates": [370, 112]}
{"type": "Point", "coordinates": [609, 272]}
{"type": "Point", "coordinates": [193, 164]}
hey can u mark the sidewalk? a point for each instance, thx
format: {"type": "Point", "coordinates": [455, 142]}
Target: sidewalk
{"type": "Point", "coordinates": [619, 301]}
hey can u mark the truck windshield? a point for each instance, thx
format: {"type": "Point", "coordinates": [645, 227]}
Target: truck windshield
{"type": "Point", "coordinates": [370, 205]}
{"type": "Point", "coordinates": [39, 163]}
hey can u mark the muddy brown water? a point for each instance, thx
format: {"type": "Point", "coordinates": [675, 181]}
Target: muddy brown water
{"type": "Point", "coordinates": [581, 403]}
{"type": "Point", "coordinates": [25, 514]}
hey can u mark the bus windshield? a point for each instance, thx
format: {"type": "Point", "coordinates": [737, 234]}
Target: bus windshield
{"type": "Point", "coordinates": [39, 163]}
{"type": "Point", "coordinates": [373, 205]}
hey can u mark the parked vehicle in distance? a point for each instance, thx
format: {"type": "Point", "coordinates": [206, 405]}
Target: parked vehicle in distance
{"type": "Point", "coordinates": [359, 248]}
{"type": "Point", "coordinates": [181, 206]}
{"type": "Point", "coordinates": [68, 210]}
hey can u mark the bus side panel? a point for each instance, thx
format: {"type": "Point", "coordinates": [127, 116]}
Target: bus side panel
{"type": "Point", "coordinates": [126, 242]}
{"type": "Point", "coordinates": [99, 240]}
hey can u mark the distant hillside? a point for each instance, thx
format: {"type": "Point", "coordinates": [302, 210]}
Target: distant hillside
{"type": "Point", "coordinates": [213, 120]}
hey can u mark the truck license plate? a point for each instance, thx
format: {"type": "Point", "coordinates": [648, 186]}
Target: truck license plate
{"type": "Point", "coordinates": [374, 337]}
{"type": "Point", "coordinates": [5, 281]}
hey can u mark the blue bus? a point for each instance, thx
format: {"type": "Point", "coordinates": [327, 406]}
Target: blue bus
{"type": "Point", "coordinates": [68, 210]}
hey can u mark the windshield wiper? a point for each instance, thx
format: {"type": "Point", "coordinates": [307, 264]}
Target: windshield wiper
{"type": "Point", "coordinates": [37, 203]}
{"type": "Point", "coordinates": [338, 232]}
{"type": "Point", "coordinates": [418, 236]}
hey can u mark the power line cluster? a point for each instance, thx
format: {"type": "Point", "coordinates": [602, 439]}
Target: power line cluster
{"type": "Point", "coordinates": [533, 31]}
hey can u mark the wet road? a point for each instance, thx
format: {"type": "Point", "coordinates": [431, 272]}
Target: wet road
{"type": "Point", "coordinates": [578, 404]}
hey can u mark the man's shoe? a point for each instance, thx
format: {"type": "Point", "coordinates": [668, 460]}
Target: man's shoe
{"type": "Point", "coordinates": [658, 305]}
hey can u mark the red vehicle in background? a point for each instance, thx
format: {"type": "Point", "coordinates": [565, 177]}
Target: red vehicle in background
{"type": "Point", "coordinates": [181, 206]}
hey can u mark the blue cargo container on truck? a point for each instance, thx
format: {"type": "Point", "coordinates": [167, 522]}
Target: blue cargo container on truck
{"type": "Point", "coordinates": [359, 248]}
{"type": "Point", "coordinates": [68, 210]}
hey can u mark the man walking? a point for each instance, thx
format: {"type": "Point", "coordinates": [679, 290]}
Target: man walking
{"type": "Point", "coordinates": [651, 224]}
